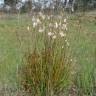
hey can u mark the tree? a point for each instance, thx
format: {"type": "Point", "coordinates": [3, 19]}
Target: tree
{"type": "Point", "coordinates": [10, 2]}
{"type": "Point", "coordinates": [83, 4]}
{"type": "Point", "coordinates": [29, 2]}
{"type": "Point", "coordinates": [27, 6]}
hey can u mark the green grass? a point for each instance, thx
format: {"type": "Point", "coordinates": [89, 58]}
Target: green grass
{"type": "Point", "coordinates": [82, 45]}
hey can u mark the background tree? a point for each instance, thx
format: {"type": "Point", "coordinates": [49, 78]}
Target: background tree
{"type": "Point", "coordinates": [27, 6]}
{"type": "Point", "coordinates": [29, 2]}
{"type": "Point", "coordinates": [10, 2]}
{"type": "Point", "coordinates": [83, 4]}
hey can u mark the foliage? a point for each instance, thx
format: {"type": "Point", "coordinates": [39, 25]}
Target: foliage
{"type": "Point", "coordinates": [82, 37]}
{"type": "Point", "coordinates": [10, 2]}
{"type": "Point", "coordinates": [27, 6]}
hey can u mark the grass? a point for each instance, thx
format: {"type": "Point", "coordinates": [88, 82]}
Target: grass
{"type": "Point", "coordinates": [83, 46]}
{"type": "Point", "coordinates": [82, 39]}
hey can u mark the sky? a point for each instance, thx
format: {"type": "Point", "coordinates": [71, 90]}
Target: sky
{"type": "Point", "coordinates": [1, 1]}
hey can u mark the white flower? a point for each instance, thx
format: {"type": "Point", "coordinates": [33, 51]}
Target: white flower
{"type": "Point", "coordinates": [62, 47]}
{"type": "Point", "coordinates": [41, 30]}
{"type": "Point", "coordinates": [33, 19]}
{"type": "Point", "coordinates": [33, 7]}
{"type": "Point", "coordinates": [65, 20]}
{"type": "Point", "coordinates": [67, 43]}
{"type": "Point", "coordinates": [42, 7]}
{"type": "Point", "coordinates": [71, 60]}
{"type": "Point", "coordinates": [38, 20]}
{"type": "Point", "coordinates": [34, 24]}
{"type": "Point", "coordinates": [62, 34]}
{"type": "Point", "coordinates": [72, 9]}
{"type": "Point", "coordinates": [28, 28]}
{"type": "Point", "coordinates": [56, 25]}
{"type": "Point", "coordinates": [42, 15]}
{"type": "Point", "coordinates": [54, 37]}
{"type": "Point", "coordinates": [51, 16]}
{"type": "Point", "coordinates": [53, 7]}
{"type": "Point", "coordinates": [65, 40]}
{"type": "Point", "coordinates": [50, 33]}
{"type": "Point", "coordinates": [65, 27]}
{"type": "Point", "coordinates": [48, 17]}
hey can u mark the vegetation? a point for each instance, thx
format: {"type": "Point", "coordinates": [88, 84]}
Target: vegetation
{"type": "Point", "coordinates": [10, 2]}
{"type": "Point", "coordinates": [79, 5]}
{"type": "Point", "coordinates": [42, 57]}
{"type": "Point", "coordinates": [47, 69]}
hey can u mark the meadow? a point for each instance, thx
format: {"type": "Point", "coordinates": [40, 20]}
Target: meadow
{"type": "Point", "coordinates": [18, 37]}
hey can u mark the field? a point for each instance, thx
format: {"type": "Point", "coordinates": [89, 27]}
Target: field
{"type": "Point", "coordinates": [16, 38]}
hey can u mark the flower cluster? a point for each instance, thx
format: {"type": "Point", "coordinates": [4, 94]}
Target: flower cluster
{"type": "Point", "coordinates": [53, 26]}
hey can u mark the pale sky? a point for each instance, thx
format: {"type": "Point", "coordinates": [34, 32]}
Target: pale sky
{"type": "Point", "coordinates": [1, 1]}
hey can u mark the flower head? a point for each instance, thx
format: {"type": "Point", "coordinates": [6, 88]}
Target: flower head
{"type": "Point", "coordinates": [54, 37]}
{"type": "Point", "coordinates": [33, 19]}
{"type": "Point", "coordinates": [35, 24]}
{"type": "Point", "coordinates": [62, 34]}
{"type": "Point", "coordinates": [65, 20]}
{"type": "Point", "coordinates": [50, 33]}
{"type": "Point", "coordinates": [41, 30]}
{"type": "Point", "coordinates": [56, 25]}
{"type": "Point", "coordinates": [28, 28]}
{"type": "Point", "coordinates": [48, 17]}
{"type": "Point", "coordinates": [62, 47]}
{"type": "Point", "coordinates": [64, 27]}
{"type": "Point", "coordinates": [38, 20]}
{"type": "Point", "coordinates": [42, 15]}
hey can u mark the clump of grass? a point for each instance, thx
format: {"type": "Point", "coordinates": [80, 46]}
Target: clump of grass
{"type": "Point", "coordinates": [85, 82]}
{"type": "Point", "coordinates": [47, 70]}
{"type": "Point", "coordinates": [85, 76]}
{"type": "Point", "coordinates": [45, 73]}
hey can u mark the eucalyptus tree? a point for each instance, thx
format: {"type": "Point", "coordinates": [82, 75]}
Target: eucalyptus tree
{"type": "Point", "coordinates": [10, 2]}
